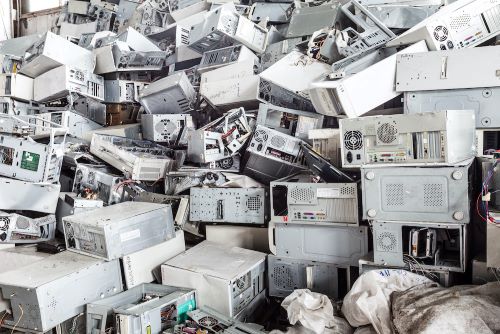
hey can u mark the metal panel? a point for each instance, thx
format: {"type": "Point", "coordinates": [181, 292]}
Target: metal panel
{"type": "Point", "coordinates": [433, 137]}
{"type": "Point", "coordinates": [117, 230]}
{"type": "Point", "coordinates": [427, 194]}
{"type": "Point", "coordinates": [484, 101]}
{"type": "Point", "coordinates": [138, 309]}
{"type": "Point", "coordinates": [331, 244]}
{"type": "Point", "coordinates": [50, 291]}
{"type": "Point", "coordinates": [288, 274]}
{"type": "Point", "coordinates": [230, 205]}
{"type": "Point", "coordinates": [444, 69]}
{"type": "Point", "coordinates": [391, 245]}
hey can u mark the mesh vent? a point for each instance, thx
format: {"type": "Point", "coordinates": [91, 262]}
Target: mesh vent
{"type": "Point", "coordinates": [433, 195]}
{"type": "Point", "coordinates": [394, 193]}
{"type": "Point", "coordinates": [386, 133]}
{"type": "Point", "coordinates": [254, 203]}
{"type": "Point", "coordinates": [282, 277]}
{"type": "Point", "coordinates": [302, 194]}
{"type": "Point", "coordinates": [386, 242]}
{"type": "Point", "coordinates": [347, 191]}
{"type": "Point", "coordinates": [353, 140]}
{"type": "Point", "coordinates": [460, 21]}
{"type": "Point", "coordinates": [278, 141]}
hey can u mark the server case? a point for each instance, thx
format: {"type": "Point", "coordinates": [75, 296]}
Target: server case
{"type": "Point", "coordinates": [57, 288]}
{"type": "Point", "coordinates": [140, 159]}
{"type": "Point", "coordinates": [167, 128]}
{"type": "Point", "coordinates": [272, 155]}
{"type": "Point", "coordinates": [483, 101]}
{"type": "Point", "coordinates": [117, 230]}
{"type": "Point", "coordinates": [173, 94]}
{"type": "Point", "coordinates": [298, 199]}
{"type": "Point", "coordinates": [342, 245]}
{"type": "Point", "coordinates": [438, 137]}
{"type": "Point", "coordinates": [229, 205]}
{"type": "Point", "coordinates": [141, 266]}
{"type": "Point", "coordinates": [439, 70]}
{"type": "Point", "coordinates": [226, 278]}
{"type": "Point", "coordinates": [427, 194]}
{"type": "Point", "coordinates": [22, 195]}
{"type": "Point", "coordinates": [144, 309]}
{"type": "Point", "coordinates": [46, 54]}
{"type": "Point", "coordinates": [461, 24]}
{"type": "Point", "coordinates": [397, 243]}
{"type": "Point", "coordinates": [347, 96]}
{"type": "Point", "coordinates": [288, 274]}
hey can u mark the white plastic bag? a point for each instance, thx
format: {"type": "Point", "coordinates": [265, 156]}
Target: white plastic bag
{"type": "Point", "coordinates": [313, 312]}
{"type": "Point", "coordinates": [368, 301]}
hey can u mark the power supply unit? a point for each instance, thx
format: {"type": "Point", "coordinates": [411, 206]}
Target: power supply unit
{"type": "Point", "coordinates": [425, 194]}
{"type": "Point", "coordinates": [305, 21]}
{"type": "Point", "coordinates": [143, 309]}
{"type": "Point", "coordinates": [22, 195]}
{"type": "Point", "coordinates": [98, 182]}
{"type": "Point", "coordinates": [301, 199]}
{"type": "Point", "coordinates": [292, 122]}
{"type": "Point", "coordinates": [342, 245]}
{"type": "Point", "coordinates": [70, 204]}
{"type": "Point", "coordinates": [167, 128]}
{"type": "Point", "coordinates": [226, 278]}
{"type": "Point", "coordinates": [214, 59]}
{"type": "Point", "coordinates": [215, 322]}
{"type": "Point", "coordinates": [47, 292]}
{"type": "Point", "coordinates": [326, 142]}
{"type": "Point", "coordinates": [433, 137]}
{"type": "Point", "coordinates": [439, 70]}
{"type": "Point", "coordinates": [347, 97]}
{"type": "Point", "coordinates": [482, 100]}
{"type": "Point", "coordinates": [17, 228]}
{"type": "Point", "coordinates": [119, 57]}
{"type": "Point", "coordinates": [142, 266]}
{"type": "Point", "coordinates": [272, 155]}
{"type": "Point", "coordinates": [222, 27]}
{"type": "Point", "coordinates": [461, 24]}
{"type": "Point", "coordinates": [229, 205]}
{"type": "Point", "coordinates": [117, 230]}
{"type": "Point", "coordinates": [173, 94]}
{"type": "Point", "coordinates": [430, 246]}
{"type": "Point", "coordinates": [16, 86]}
{"type": "Point", "coordinates": [287, 274]}
{"type": "Point", "coordinates": [122, 91]}
{"type": "Point", "coordinates": [139, 159]}
{"type": "Point", "coordinates": [25, 159]}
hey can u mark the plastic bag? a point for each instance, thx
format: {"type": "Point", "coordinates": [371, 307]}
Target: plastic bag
{"type": "Point", "coordinates": [368, 301]}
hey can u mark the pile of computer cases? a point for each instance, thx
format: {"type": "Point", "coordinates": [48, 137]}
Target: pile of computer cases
{"type": "Point", "coordinates": [233, 152]}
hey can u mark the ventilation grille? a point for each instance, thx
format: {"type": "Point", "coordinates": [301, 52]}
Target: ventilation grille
{"type": "Point", "coordinates": [353, 140]}
{"type": "Point", "coordinates": [278, 141]}
{"type": "Point", "coordinates": [386, 133]}
{"type": "Point", "coordinates": [348, 191]}
{"type": "Point", "coordinates": [394, 194]}
{"type": "Point", "coordinates": [254, 203]}
{"type": "Point", "coordinates": [433, 195]}
{"type": "Point", "coordinates": [387, 242]}
{"type": "Point", "coordinates": [282, 277]}
{"type": "Point", "coordinates": [302, 194]}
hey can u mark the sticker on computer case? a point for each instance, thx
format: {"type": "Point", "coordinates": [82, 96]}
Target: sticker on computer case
{"type": "Point", "coordinates": [30, 161]}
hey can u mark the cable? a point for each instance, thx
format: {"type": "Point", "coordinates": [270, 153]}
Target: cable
{"type": "Point", "coordinates": [17, 323]}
